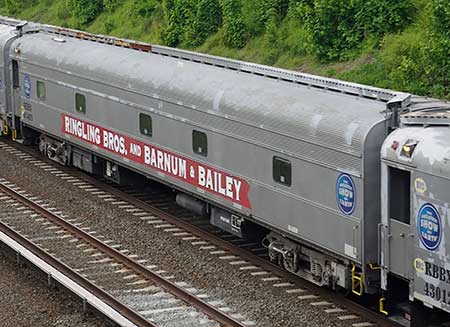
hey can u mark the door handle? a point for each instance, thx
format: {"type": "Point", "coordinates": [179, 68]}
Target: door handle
{"type": "Point", "coordinates": [379, 241]}
{"type": "Point", "coordinates": [355, 228]}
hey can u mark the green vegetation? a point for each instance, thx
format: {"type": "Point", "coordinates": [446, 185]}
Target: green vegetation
{"type": "Point", "coordinates": [398, 44]}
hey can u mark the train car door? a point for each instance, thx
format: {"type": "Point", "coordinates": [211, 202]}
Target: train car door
{"type": "Point", "coordinates": [6, 37]}
{"type": "Point", "coordinates": [3, 104]}
{"type": "Point", "coordinates": [15, 81]}
{"type": "Point", "coordinates": [397, 235]}
{"type": "Point", "coordinates": [16, 93]}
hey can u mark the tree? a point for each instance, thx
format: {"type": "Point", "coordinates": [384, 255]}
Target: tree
{"type": "Point", "coordinates": [437, 53]}
{"type": "Point", "coordinates": [378, 17]}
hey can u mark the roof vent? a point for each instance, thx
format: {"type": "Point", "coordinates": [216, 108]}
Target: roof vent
{"type": "Point", "coordinates": [59, 39]}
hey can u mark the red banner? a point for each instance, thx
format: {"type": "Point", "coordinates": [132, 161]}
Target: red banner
{"type": "Point", "coordinates": [202, 176]}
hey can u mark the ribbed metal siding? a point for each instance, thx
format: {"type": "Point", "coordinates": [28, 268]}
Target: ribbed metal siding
{"type": "Point", "coordinates": [268, 107]}
{"type": "Point", "coordinates": [308, 151]}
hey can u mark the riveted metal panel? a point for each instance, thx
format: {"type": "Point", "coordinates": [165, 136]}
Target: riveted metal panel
{"type": "Point", "coordinates": [430, 264]}
{"type": "Point", "coordinates": [275, 113]}
{"type": "Point", "coordinates": [248, 120]}
{"type": "Point", "coordinates": [427, 252]}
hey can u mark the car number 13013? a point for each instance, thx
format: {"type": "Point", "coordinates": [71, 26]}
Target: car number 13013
{"type": "Point", "coordinates": [437, 293]}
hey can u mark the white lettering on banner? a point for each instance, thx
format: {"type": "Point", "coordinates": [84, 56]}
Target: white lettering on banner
{"type": "Point", "coordinates": [84, 131]}
{"type": "Point", "coordinates": [166, 162]}
{"type": "Point", "coordinates": [202, 176]}
{"type": "Point", "coordinates": [213, 180]}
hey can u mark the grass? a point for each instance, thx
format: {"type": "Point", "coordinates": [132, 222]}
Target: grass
{"type": "Point", "coordinates": [393, 62]}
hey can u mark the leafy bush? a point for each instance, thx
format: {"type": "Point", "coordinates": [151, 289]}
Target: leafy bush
{"type": "Point", "coordinates": [207, 20]}
{"type": "Point", "coordinates": [85, 11]}
{"type": "Point", "coordinates": [235, 32]}
{"type": "Point", "coordinates": [143, 8]}
{"type": "Point", "coordinates": [179, 20]}
{"type": "Point", "coordinates": [271, 41]}
{"type": "Point", "coordinates": [441, 16]}
{"type": "Point", "coordinates": [189, 22]}
{"type": "Point", "coordinates": [108, 25]}
{"type": "Point", "coordinates": [62, 11]}
{"type": "Point", "coordinates": [14, 7]}
{"type": "Point", "coordinates": [272, 9]}
{"type": "Point", "coordinates": [437, 52]}
{"type": "Point", "coordinates": [378, 17]}
{"type": "Point", "coordinates": [111, 5]}
{"type": "Point", "coordinates": [438, 68]}
{"type": "Point", "coordinates": [338, 27]}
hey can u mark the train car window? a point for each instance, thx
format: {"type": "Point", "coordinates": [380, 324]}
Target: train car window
{"type": "Point", "coordinates": [145, 124]}
{"type": "Point", "coordinates": [399, 195]}
{"type": "Point", "coordinates": [200, 143]}
{"type": "Point", "coordinates": [282, 171]}
{"type": "Point", "coordinates": [80, 103]}
{"type": "Point", "coordinates": [15, 69]}
{"type": "Point", "coordinates": [40, 87]}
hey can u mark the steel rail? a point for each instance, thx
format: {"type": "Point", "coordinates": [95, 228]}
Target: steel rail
{"type": "Point", "coordinates": [382, 321]}
{"type": "Point", "coordinates": [63, 268]}
{"type": "Point", "coordinates": [172, 288]}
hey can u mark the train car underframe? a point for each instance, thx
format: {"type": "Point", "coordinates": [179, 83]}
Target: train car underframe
{"type": "Point", "coordinates": [317, 267]}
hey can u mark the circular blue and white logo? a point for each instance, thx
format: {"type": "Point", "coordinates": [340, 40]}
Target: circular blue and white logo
{"type": "Point", "coordinates": [27, 86]}
{"type": "Point", "coordinates": [429, 226]}
{"type": "Point", "coordinates": [346, 194]}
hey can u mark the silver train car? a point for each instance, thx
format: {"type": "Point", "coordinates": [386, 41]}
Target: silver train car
{"type": "Point", "coordinates": [259, 150]}
{"type": "Point", "coordinates": [415, 215]}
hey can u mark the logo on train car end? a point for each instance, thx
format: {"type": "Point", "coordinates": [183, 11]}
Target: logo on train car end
{"type": "Point", "coordinates": [27, 86]}
{"type": "Point", "coordinates": [420, 185]}
{"type": "Point", "coordinates": [346, 194]}
{"type": "Point", "coordinates": [429, 227]}
{"type": "Point", "coordinates": [419, 265]}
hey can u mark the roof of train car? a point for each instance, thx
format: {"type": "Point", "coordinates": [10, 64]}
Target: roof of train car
{"type": "Point", "coordinates": [6, 29]}
{"type": "Point", "coordinates": [315, 115]}
{"type": "Point", "coordinates": [432, 152]}
{"type": "Point", "coordinates": [6, 32]}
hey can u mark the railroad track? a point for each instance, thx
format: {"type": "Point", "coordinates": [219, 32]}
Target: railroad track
{"type": "Point", "coordinates": [247, 256]}
{"type": "Point", "coordinates": [159, 210]}
{"type": "Point", "coordinates": [161, 198]}
{"type": "Point", "coordinates": [140, 298]}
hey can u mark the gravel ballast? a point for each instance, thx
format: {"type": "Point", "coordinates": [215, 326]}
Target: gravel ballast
{"type": "Point", "coordinates": [27, 301]}
{"type": "Point", "coordinates": [257, 300]}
